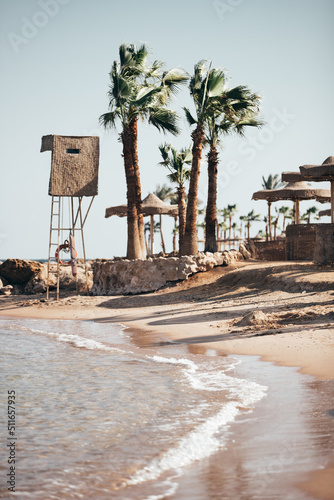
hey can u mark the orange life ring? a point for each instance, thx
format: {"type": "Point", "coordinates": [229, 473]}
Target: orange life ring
{"type": "Point", "coordinates": [64, 246]}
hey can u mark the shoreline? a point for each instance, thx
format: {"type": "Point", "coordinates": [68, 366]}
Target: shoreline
{"type": "Point", "coordinates": [207, 308]}
{"type": "Point", "coordinates": [206, 312]}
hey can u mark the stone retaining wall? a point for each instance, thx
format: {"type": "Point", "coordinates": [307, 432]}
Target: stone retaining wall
{"type": "Point", "coordinates": [117, 277]}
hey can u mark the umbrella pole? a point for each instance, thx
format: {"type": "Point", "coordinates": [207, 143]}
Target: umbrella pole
{"type": "Point", "coordinates": [152, 233]}
{"type": "Point", "coordinates": [332, 202]}
{"type": "Point", "coordinates": [269, 219]}
{"type": "Point", "coordinates": [297, 212]}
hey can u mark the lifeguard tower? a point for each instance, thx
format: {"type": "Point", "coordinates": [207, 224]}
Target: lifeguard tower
{"type": "Point", "coordinates": [74, 175]}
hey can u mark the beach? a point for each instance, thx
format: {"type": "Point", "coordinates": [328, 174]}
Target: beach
{"type": "Point", "coordinates": [281, 313]}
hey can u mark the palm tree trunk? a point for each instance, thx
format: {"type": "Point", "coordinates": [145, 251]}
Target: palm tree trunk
{"type": "Point", "coordinates": [211, 208]}
{"type": "Point", "coordinates": [189, 244]}
{"type": "Point", "coordinates": [248, 231]}
{"type": "Point", "coordinates": [133, 126]}
{"type": "Point", "coordinates": [182, 214]}
{"type": "Point", "coordinates": [134, 250]}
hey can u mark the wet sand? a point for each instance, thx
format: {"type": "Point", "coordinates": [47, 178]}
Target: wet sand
{"type": "Point", "coordinates": [206, 312]}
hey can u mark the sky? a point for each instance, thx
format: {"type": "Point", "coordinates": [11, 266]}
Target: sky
{"type": "Point", "coordinates": [55, 59]}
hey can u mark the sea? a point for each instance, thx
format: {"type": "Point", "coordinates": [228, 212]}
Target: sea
{"type": "Point", "coordinates": [90, 414]}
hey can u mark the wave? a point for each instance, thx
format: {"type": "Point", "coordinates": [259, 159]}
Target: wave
{"type": "Point", "coordinates": [203, 440]}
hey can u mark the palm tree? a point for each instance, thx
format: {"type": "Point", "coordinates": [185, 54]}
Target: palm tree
{"type": "Point", "coordinates": [250, 217]}
{"type": "Point", "coordinates": [307, 215]}
{"type": "Point", "coordinates": [272, 182]}
{"type": "Point", "coordinates": [235, 228]}
{"type": "Point", "coordinates": [151, 227]}
{"type": "Point", "coordinates": [177, 162]}
{"type": "Point", "coordinates": [284, 210]}
{"type": "Point", "coordinates": [231, 209]}
{"type": "Point", "coordinates": [204, 88]}
{"type": "Point", "coordinates": [138, 90]}
{"type": "Point", "coordinates": [291, 214]}
{"type": "Point", "coordinates": [223, 226]}
{"type": "Point", "coordinates": [275, 222]}
{"type": "Point", "coordinates": [174, 201]}
{"type": "Point", "coordinates": [220, 212]}
{"type": "Point", "coordinates": [164, 193]}
{"type": "Point", "coordinates": [232, 111]}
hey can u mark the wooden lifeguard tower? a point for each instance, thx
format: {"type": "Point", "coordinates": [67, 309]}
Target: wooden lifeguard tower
{"type": "Point", "coordinates": [74, 175]}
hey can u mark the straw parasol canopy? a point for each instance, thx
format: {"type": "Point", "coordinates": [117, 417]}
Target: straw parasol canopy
{"type": "Point", "coordinates": [294, 191]}
{"type": "Point", "coordinates": [291, 177]}
{"type": "Point", "coordinates": [151, 205]}
{"type": "Point", "coordinates": [325, 213]}
{"type": "Point", "coordinates": [323, 172]}
{"type": "Point", "coordinates": [320, 173]}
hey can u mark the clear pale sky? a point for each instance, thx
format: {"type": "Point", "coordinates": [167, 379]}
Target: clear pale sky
{"type": "Point", "coordinates": [55, 59]}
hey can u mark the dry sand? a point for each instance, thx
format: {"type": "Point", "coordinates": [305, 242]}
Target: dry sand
{"type": "Point", "coordinates": [283, 312]}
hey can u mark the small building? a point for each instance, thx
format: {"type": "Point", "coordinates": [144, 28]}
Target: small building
{"type": "Point", "coordinates": [74, 164]}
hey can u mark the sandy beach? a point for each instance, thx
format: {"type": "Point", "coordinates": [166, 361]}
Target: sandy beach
{"type": "Point", "coordinates": [282, 312]}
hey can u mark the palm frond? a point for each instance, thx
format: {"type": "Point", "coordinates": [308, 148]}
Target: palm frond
{"type": "Point", "coordinates": [272, 182]}
{"type": "Point", "coordinates": [216, 82]}
{"type": "Point", "coordinates": [241, 92]}
{"type": "Point", "coordinates": [120, 87]}
{"type": "Point", "coordinates": [145, 95]}
{"type": "Point", "coordinates": [154, 71]}
{"type": "Point", "coordinates": [189, 117]}
{"type": "Point", "coordinates": [108, 120]}
{"type": "Point", "coordinates": [186, 155]}
{"type": "Point", "coordinates": [164, 120]}
{"type": "Point", "coordinates": [199, 75]}
{"type": "Point", "coordinates": [132, 59]}
{"type": "Point", "coordinates": [175, 76]}
{"type": "Point", "coordinates": [164, 151]}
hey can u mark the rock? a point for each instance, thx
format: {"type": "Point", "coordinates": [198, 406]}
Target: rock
{"type": "Point", "coordinates": [38, 283]}
{"type": "Point", "coordinates": [122, 276]}
{"type": "Point", "coordinates": [1, 283]}
{"type": "Point", "coordinates": [18, 290]}
{"type": "Point", "coordinates": [6, 290]}
{"type": "Point", "coordinates": [244, 252]}
{"type": "Point", "coordinates": [18, 271]}
{"type": "Point", "coordinates": [253, 318]}
{"type": "Point", "coordinates": [4, 281]}
{"type": "Point", "coordinates": [251, 248]}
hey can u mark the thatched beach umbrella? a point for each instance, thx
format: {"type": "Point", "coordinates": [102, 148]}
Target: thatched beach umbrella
{"type": "Point", "coordinates": [320, 173]}
{"type": "Point", "coordinates": [151, 205]}
{"type": "Point", "coordinates": [295, 190]}
{"type": "Point", "coordinates": [325, 213]}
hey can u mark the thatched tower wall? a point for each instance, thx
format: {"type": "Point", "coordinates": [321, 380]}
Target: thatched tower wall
{"type": "Point", "coordinates": [74, 164]}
